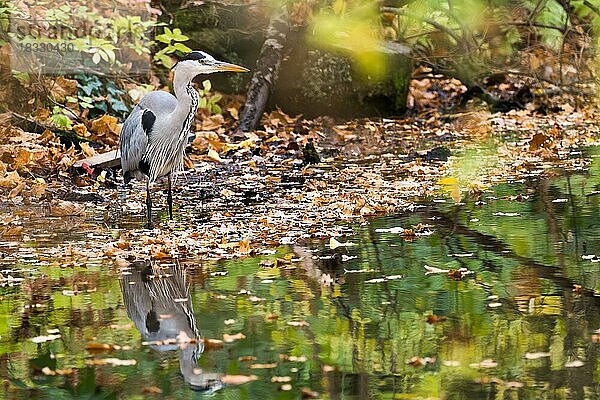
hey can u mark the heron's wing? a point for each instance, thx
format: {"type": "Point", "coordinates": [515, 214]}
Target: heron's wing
{"type": "Point", "coordinates": [137, 128]}
{"type": "Point", "coordinates": [133, 142]}
{"type": "Point", "coordinates": [159, 102]}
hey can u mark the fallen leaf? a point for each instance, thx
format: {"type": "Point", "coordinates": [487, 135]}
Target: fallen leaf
{"type": "Point", "coordinates": [434, 319]}
{"type": "Point", "coordinates": [535, 356]}
{"type": "Point", "coordinates": [420, 361]}
{"type": "Point", "coordinates": [152, 390]}
{"type": "Point", "coordinates": [212, 344]}
{"type": "Point", "coordinates": [42, 339]}
{"type": "Point", "coordinates": [214, 156]}
{"type": "Point", "coordinates": [97, 348]}
{"type": "Point", "coordinates": [281, 379]}
{"type": "Point", "coordinates": [110, 361]}
{"type": "Point", "coordinates": [61, 208]}
{"type": "Point", "coordinates": [334, 244]}
{"type": "Point", "coordinates": [539, 140]}
{"type": "Point", "coordinates": [574, 364]}
{"type": "Point", "coordinates": [485, 364]}
{"type": "Point", "coordinates": [434, 270]}
{"type": "Point", "coordinates": [237, 379]}
{"type": "Point", "coordinates": [263, 366]}
{"type": "Point", "coordinates": [307, 393]}
{"type": "Point", "coordinates": [232, 338]}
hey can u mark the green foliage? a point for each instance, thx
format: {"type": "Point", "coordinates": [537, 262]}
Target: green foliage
{"type": "Point", "coordinates": [208, 101]}
{"type": "Point", "coordinates": [100, 96]}
{"type": "Point", "coordinates": [351, 28]}
{"type": "Point", "coordinates": [173, 44]}
{"type": "Point", "coordinates": [60, 119]}
{"type": "Point", "coordinates": [467, 39]}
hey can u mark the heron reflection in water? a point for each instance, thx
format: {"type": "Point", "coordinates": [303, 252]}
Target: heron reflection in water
{"type": "Point", "coordinates": [158, 303]}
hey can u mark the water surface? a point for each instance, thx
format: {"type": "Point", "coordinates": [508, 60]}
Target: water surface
{"type": "Point", "coordinates": [362, 321]}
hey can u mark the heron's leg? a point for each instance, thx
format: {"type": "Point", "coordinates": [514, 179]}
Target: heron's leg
{"type": "Point", "coordinates": [170, 198]}
{"type": "Point", "coordinates": [148, 204]}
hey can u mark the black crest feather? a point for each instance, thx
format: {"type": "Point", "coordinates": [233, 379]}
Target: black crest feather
{"type": "Point", "coordinates": [192, 55]}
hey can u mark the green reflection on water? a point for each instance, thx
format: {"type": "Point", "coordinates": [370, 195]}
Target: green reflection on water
{"type": "Point", "coordinates": [513, 329]}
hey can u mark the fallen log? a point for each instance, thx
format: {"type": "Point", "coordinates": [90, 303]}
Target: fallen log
{"type": "Point", "coordinates": [105, 160]}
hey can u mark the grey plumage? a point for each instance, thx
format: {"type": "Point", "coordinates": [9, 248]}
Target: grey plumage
{"type": "Point", "coordinates": [134, 140]}
{"type": "Point", "coordinates": [154, 136]}
{"type": "Point", "coordinates": [158, 302]}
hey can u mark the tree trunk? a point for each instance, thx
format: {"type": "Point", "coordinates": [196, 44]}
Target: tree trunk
{"type": "Point", "coordinates": [267, 70]}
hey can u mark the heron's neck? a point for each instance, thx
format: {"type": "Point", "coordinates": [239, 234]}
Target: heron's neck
{"type": "Point", "coordinates": [187, 103]}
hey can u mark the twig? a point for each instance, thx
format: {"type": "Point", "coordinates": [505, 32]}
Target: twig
{"type": "Point", "coordinates": [592, 7]}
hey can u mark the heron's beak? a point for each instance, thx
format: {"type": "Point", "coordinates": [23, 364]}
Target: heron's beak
{"type": "Point", "coordinates": [223, 66]}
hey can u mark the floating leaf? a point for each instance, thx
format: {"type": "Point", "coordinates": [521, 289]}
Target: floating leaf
{"type": "Point", "coordinates": [238, 379]}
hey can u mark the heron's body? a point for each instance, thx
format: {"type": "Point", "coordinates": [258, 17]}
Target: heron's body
{"type": "Point", "coordinates": [154, 135]}
{"type": "Point", "coordinates": [145, 152]}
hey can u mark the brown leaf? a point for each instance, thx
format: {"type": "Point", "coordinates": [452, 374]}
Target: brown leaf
{"type": "Point", "coordinates": [307, 393]}
{"type": "Point", "coordinates": [434, 319]}
{"type": "Point", "coordinates": [420, 361]}
{"type": "Point", "coordinates": [234, 112]}
{"type": "Point", "coordinates": [455, 194]}
{"type": "Point", "coordinates": [81, 130]}
{"type": "Point", "coordinates": [212, 123]}
{"type": "Point", "coordinates": [12, 230]}
{"type": "Point", "coordinates": [152, 390]}
{"type": "Point", "coordinates": [160, 254]}
{"type": "Point", "coordinates": [214, 156]}
{"type": "Point", "coordinates": [212, 344]}
{"type": "Point", "coordinates": [538, 141]}
{"type": "Point", "coordinates": [97, 348]}
{"type": "Point", "coordinates": [62, 87]}
{"type": "Point", "coordinates": [61, 208]}
{"type": "Point", "coordinates": [106, 130]}
{"type": "Point", "coordinates": [17, 190]}
{"type": "Point", "coordinates": [244, 247]}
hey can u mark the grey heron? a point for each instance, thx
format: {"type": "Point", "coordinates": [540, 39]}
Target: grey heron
{"type": "Point", "coordinates": [158, 301]}
{"type": "Point", "coordinates": [154, 136]}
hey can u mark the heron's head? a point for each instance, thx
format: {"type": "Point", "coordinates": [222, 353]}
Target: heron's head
{"type": "Point", "coordinates": [199, 62]}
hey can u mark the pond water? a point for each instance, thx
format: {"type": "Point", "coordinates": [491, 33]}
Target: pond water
{"type": "Point", "coordinates": [360, 321]}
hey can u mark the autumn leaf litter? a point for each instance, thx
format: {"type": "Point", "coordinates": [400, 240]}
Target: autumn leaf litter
{"type": "Point", "coordinates": [251, 192]}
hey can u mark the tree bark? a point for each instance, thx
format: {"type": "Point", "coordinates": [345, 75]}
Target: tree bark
{"type": "Point", "coordinates": [267, 70]}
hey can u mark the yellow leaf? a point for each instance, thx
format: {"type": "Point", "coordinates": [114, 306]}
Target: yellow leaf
{"type": "Point", "coordinates": [214, 156]}
{"type": "Point", "coordinates": [88, 151]}
{"type": "Point", "coordinates": [334, 244]}
{"type": "Point", "coordinates": [448, 181]}
{"type": "Point", "coordinates": [105, 125]}
{"type": "Point", "coordinates": [81, 130]}
{"type": "Point", "coordinates": [455, 194]}
{"type": "Point", "coordinates": [233, 112]}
